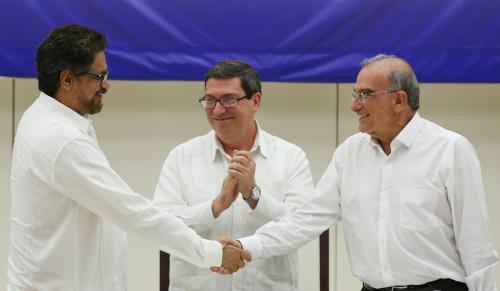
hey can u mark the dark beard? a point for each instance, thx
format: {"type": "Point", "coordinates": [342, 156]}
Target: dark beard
{"type": "Point", "coordinates": [92, 107]}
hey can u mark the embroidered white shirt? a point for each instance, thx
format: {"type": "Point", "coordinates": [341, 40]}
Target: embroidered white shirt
{"type": "Point", "coordinates": [192, 177]}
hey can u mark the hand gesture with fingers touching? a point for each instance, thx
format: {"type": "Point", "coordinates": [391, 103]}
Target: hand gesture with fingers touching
{"type": "Point", "coordinates": [242, 167]}
{"type": "Point", "coordinates": [228, 193]}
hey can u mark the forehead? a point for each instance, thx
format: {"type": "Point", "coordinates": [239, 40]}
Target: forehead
{"type": "Point", "coordinates": [223, 86]}
{"type": "Point", "coordinates": [99, 63]}
{"type": "Point", "coordinates": [373, 77]}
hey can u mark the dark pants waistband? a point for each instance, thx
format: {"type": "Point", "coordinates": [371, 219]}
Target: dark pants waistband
{"type": "Point", "coordinates": [440, 284]}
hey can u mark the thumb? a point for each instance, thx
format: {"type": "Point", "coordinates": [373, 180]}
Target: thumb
{"type": "Point", "coordinates": [246, 255]}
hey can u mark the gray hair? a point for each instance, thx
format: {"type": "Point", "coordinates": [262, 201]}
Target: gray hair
{"type": "Point", "coordinates": [404, 80]}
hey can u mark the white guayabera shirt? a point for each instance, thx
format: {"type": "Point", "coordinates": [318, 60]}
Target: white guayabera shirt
{"type": "Point", "coordinates": [69, 206]}
{"type": "Point", "coordinates": [412, 217]}
{"type": "Point", "coordinates": [192, 177]}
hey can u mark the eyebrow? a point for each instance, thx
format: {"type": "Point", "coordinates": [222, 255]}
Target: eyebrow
{"type": "Point", "coordinates": [363, 90]}
{"type": "Point", "coordinates": [101, 72]}
{"type": "Point", "coordinates": [225, 95]}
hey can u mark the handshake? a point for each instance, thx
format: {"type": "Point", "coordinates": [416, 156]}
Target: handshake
{"type": "Point", "coordinates": [240, 180]}
{"type": "Point", "coordinates": [233, 257]}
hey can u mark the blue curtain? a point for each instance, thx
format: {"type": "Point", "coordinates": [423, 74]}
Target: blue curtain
{"type": "Point", "coordinates": [285, 40]}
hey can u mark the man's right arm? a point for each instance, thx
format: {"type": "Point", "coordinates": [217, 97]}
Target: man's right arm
{"type": "Point", "coordinates": [82, 172]}
{"type": "Point", "coordinates": [303, 225]}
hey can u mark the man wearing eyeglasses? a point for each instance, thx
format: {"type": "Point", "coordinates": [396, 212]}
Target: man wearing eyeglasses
{"type": "Point", "coordinates": [68, 205]}
{"type": "Point", "coordinates": [233, 180]}
{"type": "Point", "coordinates": [409, 192]}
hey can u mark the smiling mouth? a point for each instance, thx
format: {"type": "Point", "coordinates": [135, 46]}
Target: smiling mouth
{"type": "Point", "coordinates": [222, 118]}
{"type": "Point", "coordinates": [363, 116]}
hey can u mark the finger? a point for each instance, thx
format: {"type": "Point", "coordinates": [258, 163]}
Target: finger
{"type": "Point", "coordinates": [245, 154]}
{"type": "Point", "coordinates": [215, 269]}
{"type": "Point", "coordinates": [246, 255]}
{"type": "Point", "coordinates": [238, 167]}
{"type": "Point", "coordinates": [224, 238]}
{"type": "Point", "coordinates": [241, 160]}
{"type": "Point", "coordinates": [233, 243]}
{"type": "Point", "coordinates": [223, 271]}
{"type": "Point", "coordinates": [241, 264]}
{"type": "Point", "coordinates": [236, 174]}
{"type": "Point", "coordinates": [240, 173]}
{"type": "Point", "coordinates": [222, 242]}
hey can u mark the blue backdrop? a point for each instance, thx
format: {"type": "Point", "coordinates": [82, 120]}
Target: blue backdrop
{"type": "Point", "coordinates": [286, 40]}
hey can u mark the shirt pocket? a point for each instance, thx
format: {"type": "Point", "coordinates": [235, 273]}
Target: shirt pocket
{"type": "Point", "coordinates": [418, 209]}
{"type": "Point", "coordinates": [197, 194]}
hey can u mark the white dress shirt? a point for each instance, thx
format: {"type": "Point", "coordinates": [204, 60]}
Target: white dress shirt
{"type": "Point", "coordinates": [192, 177]}
{"type": "Point", "coordinates": [68, 208]}
{"type": "Point", "coordinates": [414, 216]}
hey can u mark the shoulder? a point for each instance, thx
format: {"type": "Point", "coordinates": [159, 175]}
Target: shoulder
{"type": "Point", "coordinates": [433, 132]}
{"type": "Point", "coordinates": [44, 132]}
{"type": "Point", "coordinates": [277, 143]}
{"type": "Point", "coordinates": [195, 146]}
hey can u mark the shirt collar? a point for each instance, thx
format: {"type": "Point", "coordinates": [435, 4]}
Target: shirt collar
{"type": "Point", "coordinates": [258, 145]}
{"type": "Point", "coordinates": [407, 135]}
{"type": "Point", "coordinates": [410, 131]}
{"type": "Point", "coordinates": [82, 122]}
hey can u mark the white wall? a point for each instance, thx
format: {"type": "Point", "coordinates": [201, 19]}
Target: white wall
{"type": "Point", "coordinates": [5, 155]}
{"type": "Point", "coordinates": [142, 121]}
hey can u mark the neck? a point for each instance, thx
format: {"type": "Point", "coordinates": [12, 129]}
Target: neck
{"type": "Point", "coordinates": [385, 142]}
{"type": "Point", "coordinates": [68, 101]}
{"type": "Point", "coordinates": [242, 143]}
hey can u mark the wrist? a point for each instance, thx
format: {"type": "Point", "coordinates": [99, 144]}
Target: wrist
{"type": "Point", "coordinates": [217, 207]}
{"type": "Point", "coordinates": [253, 198]}
{"type": "Point", "coordinates": [247, 195]}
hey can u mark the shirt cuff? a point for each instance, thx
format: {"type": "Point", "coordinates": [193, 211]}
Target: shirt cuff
{"type": "Point", "coordinates": [253, 245]}
{"type": "Point", "coordinates": [204, 217]}
{"type": "Point", "coordinates": [482, 280]}
{"type": "Point", "coordinates": [213, 250]}
{"type": "Point", "coordinates": [267, 207]}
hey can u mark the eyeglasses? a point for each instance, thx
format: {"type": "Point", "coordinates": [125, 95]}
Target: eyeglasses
{"type": "Point", "coordinates": [226, 101]}
{"type": "Point", "coordinates": [100, 78]}
{"type": "Point", "coordinates": [361, 96]}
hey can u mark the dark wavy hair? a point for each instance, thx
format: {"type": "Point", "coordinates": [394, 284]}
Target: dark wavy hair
{"type": "Point", "coordinates": [250, 80]}
{"type": "Point", "coordinates": [71, 47]}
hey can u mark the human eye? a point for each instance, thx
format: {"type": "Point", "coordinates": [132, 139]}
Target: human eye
{"type": "Point", "coordinates": [365, 94]}
{"type": "Point", "coordinates": [228, 98]}
{"type": "Point", "coordinates": [209, 100]}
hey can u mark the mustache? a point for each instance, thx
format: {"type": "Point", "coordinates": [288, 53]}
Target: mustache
{"type": "Point", "coordinates": [102, 91]}
{"type": "Point", "coordinates": [221, 116]}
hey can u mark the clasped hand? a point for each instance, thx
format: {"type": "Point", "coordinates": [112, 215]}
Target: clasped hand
{"type": "Point", "coordinates": [242, 167]}
{"type": "Point", "coordinates": [233, 257]}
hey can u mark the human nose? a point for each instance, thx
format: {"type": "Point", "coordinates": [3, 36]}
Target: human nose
{"type": "Point", "coordinates": [106, 84]}
{"type": "Point", "coordinates": [219, 108]}
{"type": "Point", "coordinates": [356, 105]}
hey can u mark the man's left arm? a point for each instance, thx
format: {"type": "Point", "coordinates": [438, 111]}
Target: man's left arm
{"type": "Point", "coordinates": [470, 218]}
{"type": "Point", "coordinates": [298, 185]}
